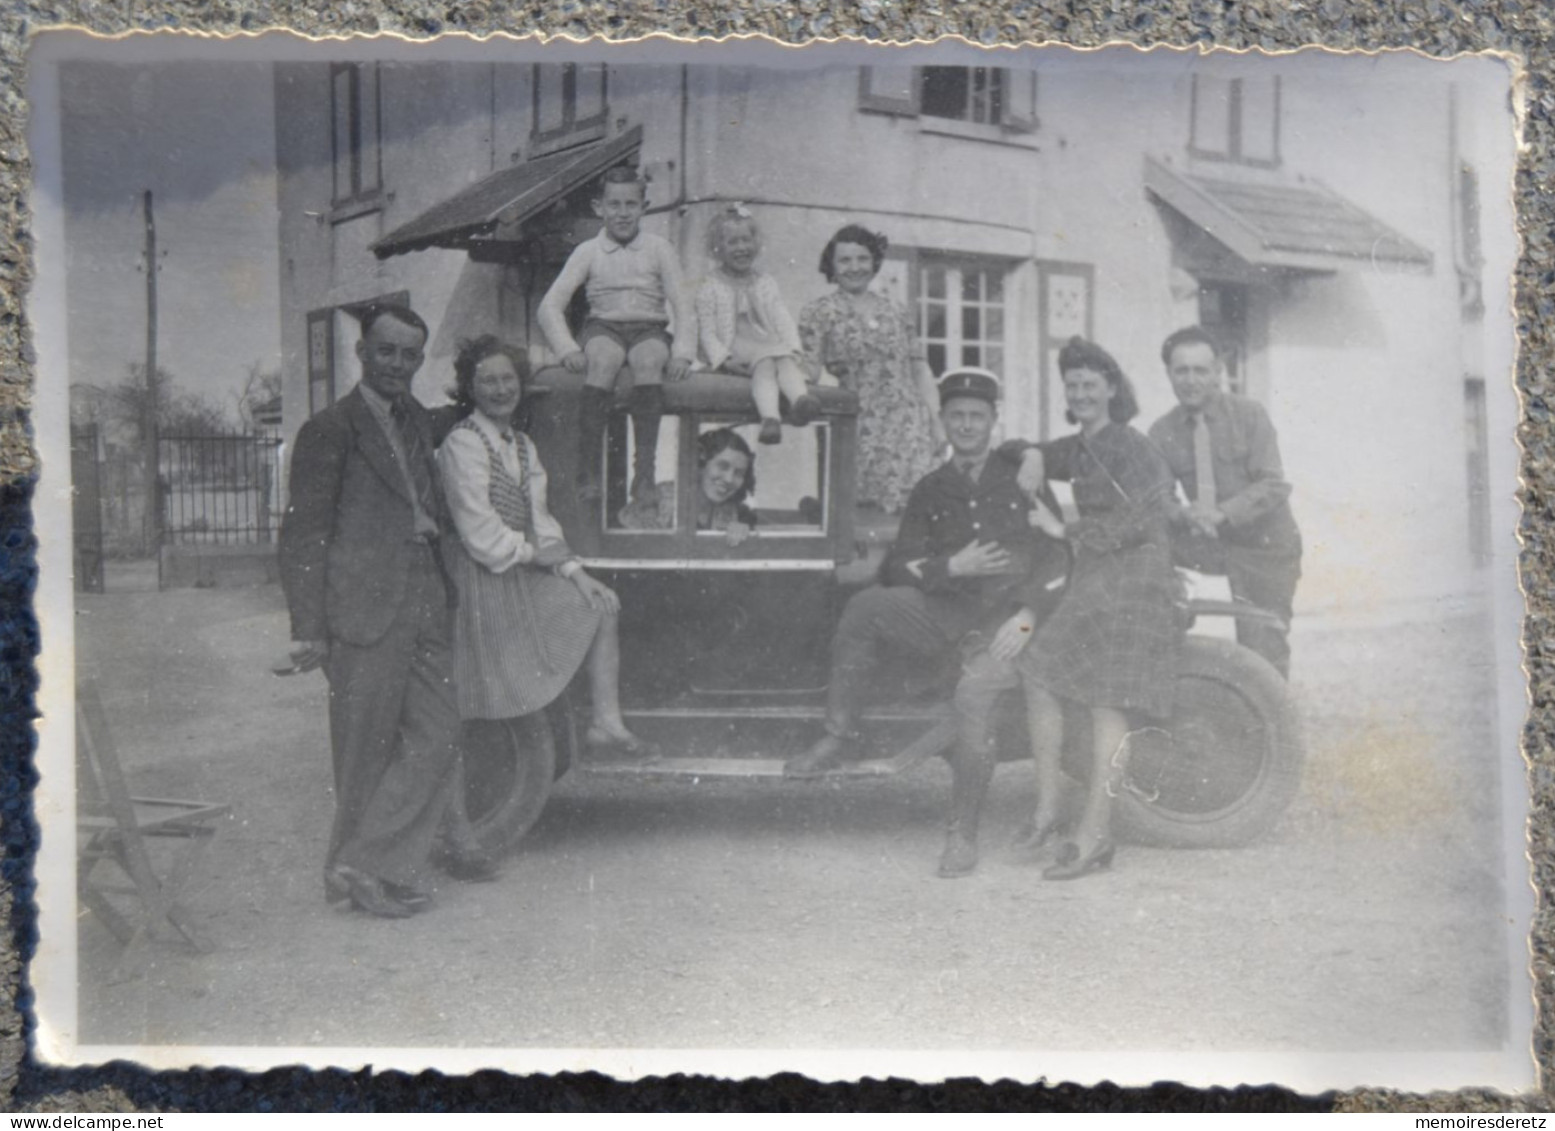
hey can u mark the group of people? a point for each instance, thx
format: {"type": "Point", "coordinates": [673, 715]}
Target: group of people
{"type": "Point", "coordinates": [1080, 612]}
{"type": "Point", "coordinates": [426, 575]}
{"type": "Point", "coordinates": [640, 323]}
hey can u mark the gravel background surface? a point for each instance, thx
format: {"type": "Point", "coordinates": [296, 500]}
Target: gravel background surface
{"type": "Point", "coordinates": [781, 914]}
{"type": "Point", "coordinates": [1521, 27]}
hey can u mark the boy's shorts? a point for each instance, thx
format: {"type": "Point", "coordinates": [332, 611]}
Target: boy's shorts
{"type": "Point", "coordinates": [624, 334]}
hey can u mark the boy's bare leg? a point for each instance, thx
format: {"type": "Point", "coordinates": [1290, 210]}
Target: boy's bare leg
{"type": "Point", "coordinates": [647, 360]}
{"type": "Point", "coordinates": [605, 358]}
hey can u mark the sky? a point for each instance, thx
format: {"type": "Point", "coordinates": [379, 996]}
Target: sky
{"type": "Point", "coordinates": [201, 137]}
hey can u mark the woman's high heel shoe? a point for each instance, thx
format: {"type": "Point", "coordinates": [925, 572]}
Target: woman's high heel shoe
{"type": "Point", "coordinates": [602, 743]}
{"type": "Point", "coordinates": [1072, 864]}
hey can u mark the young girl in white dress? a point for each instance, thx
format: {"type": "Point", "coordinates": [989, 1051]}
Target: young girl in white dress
{"type": "Point", "coordinates": [746, 329]}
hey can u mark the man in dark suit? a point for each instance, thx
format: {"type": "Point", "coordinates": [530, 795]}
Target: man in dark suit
{"type": "Point", "coordinates": [370, 604]}
{"type": "Point", "coordinates": [1223, 449]}
{"type": "Point", "coordinates": [967, 570]}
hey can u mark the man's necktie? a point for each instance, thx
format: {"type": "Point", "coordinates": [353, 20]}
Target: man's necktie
{"type": "Point", "coordinates": [416, 456]}
{"type": "Point", "coordinates": [966, 466]}
{"type": "Point", "coordinates": [1203, 463]}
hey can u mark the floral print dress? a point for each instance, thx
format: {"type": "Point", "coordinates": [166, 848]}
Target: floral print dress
{"type": "Point", "coordinates": [867, 343]}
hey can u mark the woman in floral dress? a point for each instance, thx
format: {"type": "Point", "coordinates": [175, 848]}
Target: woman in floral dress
{"type": "Point", "coordinates": [866, 340]}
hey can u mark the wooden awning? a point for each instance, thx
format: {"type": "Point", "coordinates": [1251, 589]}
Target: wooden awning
{"type": "Point", "coordinates": [484, 215]}
{"type": "Point", "coordinates": [1277, 224]}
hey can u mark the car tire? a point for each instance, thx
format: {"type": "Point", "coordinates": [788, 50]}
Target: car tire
{"type": "Point", "coordinates": [1229, 763]}
{"type": "Point", "coordinates": [509, 765]}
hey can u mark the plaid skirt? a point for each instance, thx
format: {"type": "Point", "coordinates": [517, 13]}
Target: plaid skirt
{"type": "Point", "coordinates": [1114, 639]}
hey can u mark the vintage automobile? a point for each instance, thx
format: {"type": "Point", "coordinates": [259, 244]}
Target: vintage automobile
{"type": "Point", "coordinates": [725, 648]}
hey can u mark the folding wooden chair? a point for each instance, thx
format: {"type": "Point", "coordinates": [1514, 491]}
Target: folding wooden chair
{"type": "Point", "coordinates": [114, 827]}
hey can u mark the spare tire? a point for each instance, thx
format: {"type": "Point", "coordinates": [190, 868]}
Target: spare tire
{"type": "Point", "coordinates": [1229, 762]}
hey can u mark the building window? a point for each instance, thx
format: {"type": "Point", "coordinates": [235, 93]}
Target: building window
{"type": "Point", "coordinates": [357, 134]}
{"type": "Point", "coordinates": [570, 107]}
{"type": "Point", "coordinates": [1000, 97]}
{"type": "Point", "coordinates": [1235, 119]}
{"type": "Point", "coordinates": [967, 94]}
{"type": "Point", "coordinates": [961, 314]}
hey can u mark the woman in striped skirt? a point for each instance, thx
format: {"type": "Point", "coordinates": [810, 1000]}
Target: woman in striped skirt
{"type": "Point", "coordinates": [529, 615]}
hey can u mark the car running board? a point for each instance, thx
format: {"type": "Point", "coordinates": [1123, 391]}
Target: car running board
{"type": "Point", "coordinates": [938, 739]}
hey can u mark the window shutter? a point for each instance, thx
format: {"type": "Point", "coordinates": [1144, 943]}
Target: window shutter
{"type": "Point", "coordinates": [1209, 132]}
{"type": "Point", "coordinates": [889, 90]}
{"type": "Point", "coordinates": [550, 112]}
{"type": "Point", "coordinates": [590, 96]}
{"type": "Point", "coordinates": [369, 135]}
{"type": "Point", "coordinates": [1260, 119]}
{"type": "Point", "coordinates": [1020, 114]}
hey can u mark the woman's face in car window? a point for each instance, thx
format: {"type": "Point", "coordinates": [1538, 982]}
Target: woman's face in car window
{"type": "Point", "coordinates": [723, 475]}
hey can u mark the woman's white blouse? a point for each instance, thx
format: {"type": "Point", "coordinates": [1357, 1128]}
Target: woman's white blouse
{"type": "Point", "coordinates": [466, 468]}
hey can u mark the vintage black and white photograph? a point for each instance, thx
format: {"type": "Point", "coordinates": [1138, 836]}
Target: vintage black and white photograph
{"type": "Point", "coordinates": [924, 561]}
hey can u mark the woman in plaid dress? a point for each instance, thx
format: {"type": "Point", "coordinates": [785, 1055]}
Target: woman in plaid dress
{"type": "Point", "coordinates": [529, 615]}
{"type": "Point", "coordinates": [1112, 643]}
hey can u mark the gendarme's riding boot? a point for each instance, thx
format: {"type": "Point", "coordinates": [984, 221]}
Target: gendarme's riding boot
{"type": "Point", "coordinates": [828, 753]}
{"type": "Point", "coordinates": [966, 804]}
{"type": "Point", "coordinates": [971, 771]}
{"type": "Point", "coordinates": [647, 408]}
{"type": "Point", "coordinates": [593, 417]}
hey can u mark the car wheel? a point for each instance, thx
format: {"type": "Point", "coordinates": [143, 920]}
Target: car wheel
{"type": "Point", "coordinates": [1227, 765]}
{"type": "Point", "coordinates": [509, 765]}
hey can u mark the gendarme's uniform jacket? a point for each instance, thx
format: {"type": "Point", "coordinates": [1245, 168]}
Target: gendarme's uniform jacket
{"type": "Point", "coordinates": [946, 511]}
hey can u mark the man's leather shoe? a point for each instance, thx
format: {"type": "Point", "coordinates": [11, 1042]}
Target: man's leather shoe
{"type": "Point", "coordinates": [827, 754]}
{"type": "Point", "coordinates": [365, 892]}
{"type": "Point", "coordinates": [470, 864]}
{"type": "Point", "coordinates": [960, 855]}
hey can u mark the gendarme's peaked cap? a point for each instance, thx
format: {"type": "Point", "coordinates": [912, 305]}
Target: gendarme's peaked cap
{"type": "Point", "coordinates": [969, 381]}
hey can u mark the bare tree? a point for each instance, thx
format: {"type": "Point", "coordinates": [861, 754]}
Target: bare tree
{"type": "Point", "coordinates": [179, 412]}
{"type": "Point", "coordinates": [260, 395]}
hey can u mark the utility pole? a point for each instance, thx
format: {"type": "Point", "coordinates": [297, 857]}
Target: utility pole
{"type": "Point", "coordinates": [153, 516]}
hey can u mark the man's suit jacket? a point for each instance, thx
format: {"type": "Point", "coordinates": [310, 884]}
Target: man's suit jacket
{"type": "Point", "coordinates": [346, 541]}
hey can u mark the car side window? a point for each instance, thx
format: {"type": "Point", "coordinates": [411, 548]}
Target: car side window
{"type": "Point", "coordinates": [785, 489]}
{"type": "Point", "coordinates": [640, 495]}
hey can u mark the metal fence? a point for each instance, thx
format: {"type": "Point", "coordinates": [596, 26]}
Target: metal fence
{"type": "Point", "coordinates": [219, 490]}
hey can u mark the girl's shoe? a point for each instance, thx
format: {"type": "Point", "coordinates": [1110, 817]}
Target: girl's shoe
{"type": "Point", "coordinates": [601, 742]}
{"type": "Point", "coordinates": [771, 431]}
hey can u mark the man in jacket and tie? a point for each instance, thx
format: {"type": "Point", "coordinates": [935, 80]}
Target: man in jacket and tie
{"type": "Point", "coordinates": [1237, 521]}
{"type": "Point", "coordinates": [370, 604]}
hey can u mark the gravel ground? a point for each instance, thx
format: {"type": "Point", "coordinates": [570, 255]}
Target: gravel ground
{"type": "Point", "coordinates": [778, 914]}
